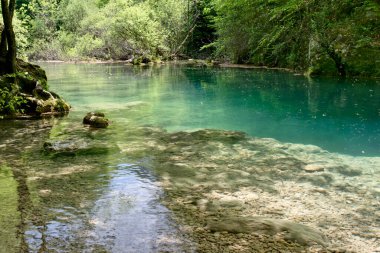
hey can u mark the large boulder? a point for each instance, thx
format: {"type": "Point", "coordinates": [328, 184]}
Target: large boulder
{"type": "Point", "coordinates": [25, 94]}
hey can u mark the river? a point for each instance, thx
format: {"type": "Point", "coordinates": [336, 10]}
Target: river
{"type": "Point", "coordinates": [190, 153]}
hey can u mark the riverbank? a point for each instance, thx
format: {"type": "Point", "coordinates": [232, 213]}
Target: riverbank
{"type": "Point", "coordinates": [206, 63]}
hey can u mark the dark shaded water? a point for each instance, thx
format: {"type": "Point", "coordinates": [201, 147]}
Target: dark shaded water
{"type": "Point", "coordinates": [105, 196]}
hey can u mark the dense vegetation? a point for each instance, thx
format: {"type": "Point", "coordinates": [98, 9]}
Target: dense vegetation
{"type": "Point", "coordinates": [318, 37]}
{"type": "Point", "coordinates": [102, 29]}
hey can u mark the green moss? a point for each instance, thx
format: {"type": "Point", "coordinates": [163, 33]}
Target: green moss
{"type": "Point", "coordinates": [11, 102]}
{"type": "Point", "coordinates": [323, 65]}
{"type": "Point", "coordinates": [32, 71]}
{"type": "Point", "coordinates": [19, 96]}
{"type": "Point", "coordinates": [62, 106]}
{"type": "Point", "coordinates": [9, 216]}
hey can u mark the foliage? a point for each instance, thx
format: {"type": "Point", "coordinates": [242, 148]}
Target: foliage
{"type": "Point", "coordinates": [10, 101]}
{"type": "Point", "coordinates": [201, 18]}
{"type": "Point", "coordinates": [300, 34]}
{"type": "Point", "coordinates": [41, 18]}
{"type": "Point", "coordinates": [321, 37]}
{"type": "Point", "coordinates": [104, 29]}
{"type": "Point", "coordinates": [131, 30]}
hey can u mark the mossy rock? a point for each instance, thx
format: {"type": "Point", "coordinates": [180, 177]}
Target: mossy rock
{"type": "Point", "coordinates": [61, 106]}
{"type": "Point", "coordinates": [99, 122]}
{"type": "Point", "coordinates": [27, 94]}
{"type": "Point", "coordinates": [359, 65]}
{"type": "Point", "coordinates": [32, 72]}
{"type": "Point", "coordinates": [87, 118]}
{"type": "Point", "coordinates": [322, 65]}
{"type": "Point", "coordinates": [96, 119]}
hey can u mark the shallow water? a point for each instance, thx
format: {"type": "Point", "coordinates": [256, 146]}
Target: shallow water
{"type": "Point", "coordinates": [310, 155]}
{"type": "Point", "coordinates": [90, 201]}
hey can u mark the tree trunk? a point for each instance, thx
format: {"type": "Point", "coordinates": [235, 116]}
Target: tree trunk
{"type": "Point", "coordinates": [3, 53]}
{"type": "Point", "coordinates": [340, 65]}
{"type": "Point", "coordinates": [3, 44]}
{"type": "Point", "coordinates": [10, 58]}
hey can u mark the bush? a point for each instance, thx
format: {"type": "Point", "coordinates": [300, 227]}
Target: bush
{"type": "Point", "coordinates": [116, 29]}
{"type": "Point", "coordinates": [45, 50]}
{"type": "Point", "coordinates": [87, 47]}
{"type": "Point", "coordinates": [10, 102]}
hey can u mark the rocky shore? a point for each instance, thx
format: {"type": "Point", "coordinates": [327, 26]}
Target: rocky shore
{"type": "Point", "coordinates": [25, 94]}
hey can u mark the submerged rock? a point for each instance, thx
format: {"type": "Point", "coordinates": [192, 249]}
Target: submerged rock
{"type": "Point", "coordinates": [73, 147]}
{"type": "Point", "coordinates": [290, 231]}
{"type": "Point", "coordinates": [96, 119]}
{"type": "Point", "coordinates": [65, 145]}
{"type": "Point", "coordinates": [347, 171]}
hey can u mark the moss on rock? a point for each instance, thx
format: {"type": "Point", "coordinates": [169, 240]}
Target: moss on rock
{"type": "Point", "coordinates": [96, 119]}
{"type": "Point", "coordinates": [25, 94]}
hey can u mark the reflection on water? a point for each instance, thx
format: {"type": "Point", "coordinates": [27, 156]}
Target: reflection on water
{"type": "Point", "coordinates": [126, 217]}
{"type": "Point", "coordinates": [84, 201]}
{"type": "Point", "coordinates": [129, 218]}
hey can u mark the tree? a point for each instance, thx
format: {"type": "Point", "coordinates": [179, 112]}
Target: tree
{"type": "Point", "coordinates": [317, 37]}
{"type": "Point", "coordinates": [8, 39]}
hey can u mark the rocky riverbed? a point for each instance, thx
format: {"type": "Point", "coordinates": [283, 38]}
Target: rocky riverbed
{"type": "Point", "coordinates": [229, 192]}
{"type": "Point", "coordinates": [242, 194]}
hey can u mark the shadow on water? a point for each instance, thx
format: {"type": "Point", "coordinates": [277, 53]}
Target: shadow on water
{"type": "Point", "coordinates": [18, 206]}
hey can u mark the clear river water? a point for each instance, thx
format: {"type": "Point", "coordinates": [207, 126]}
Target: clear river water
{"type": "Point", "coordinates": [188, 148]}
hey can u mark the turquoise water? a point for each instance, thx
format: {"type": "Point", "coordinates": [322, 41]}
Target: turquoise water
{"type": "Point", "coordinates": [310, 155]}
{"type": "Point", "coordinates": [339, 116]}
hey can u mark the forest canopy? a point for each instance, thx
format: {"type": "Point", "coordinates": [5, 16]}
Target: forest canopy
{"type": "Point", "coordinates": [318, 37]}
